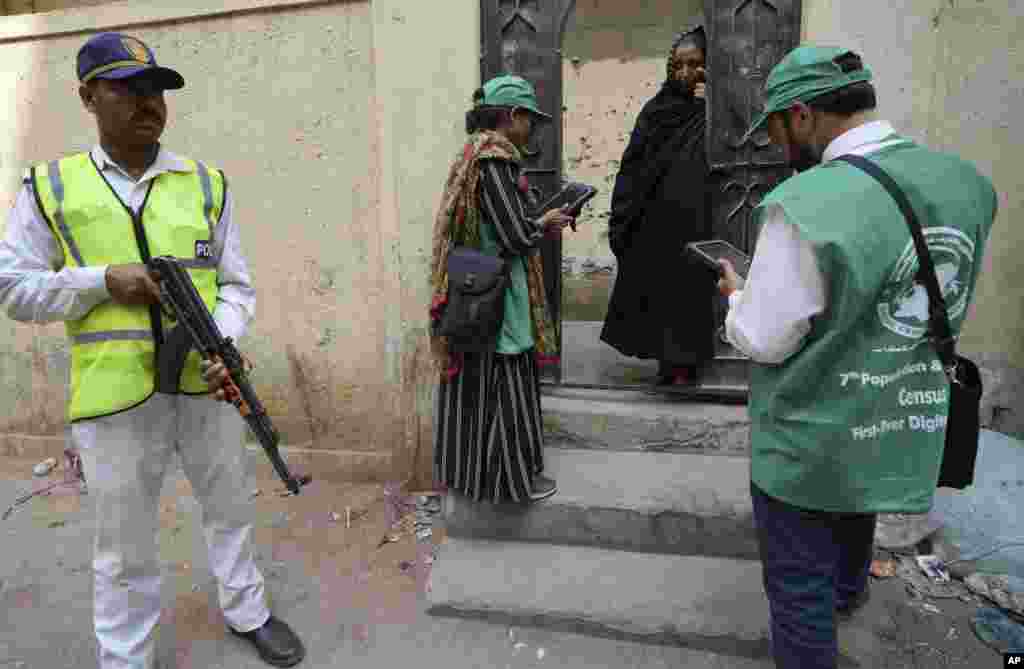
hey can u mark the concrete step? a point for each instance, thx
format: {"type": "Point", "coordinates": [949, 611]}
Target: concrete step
{"type": "Point", "coordinates": [727, 374]}
{"type": "Point", "coordinates": [713, 605]}
{"type": "Point", "coordinates": [668, 503]}
{"type": "Point", "coordinates": [588, 362]}
{"type": "Point", "coordinates": [641, 421]}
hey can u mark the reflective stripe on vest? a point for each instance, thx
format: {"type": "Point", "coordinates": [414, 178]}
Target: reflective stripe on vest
{"type": "Point", "coordinates": [112, 347]}
{"type": "Point", "coordinates": [114, 335]}
{"type": "Point", "coordinates": [57, 185]}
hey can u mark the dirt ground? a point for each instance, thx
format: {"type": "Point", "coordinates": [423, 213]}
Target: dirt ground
{"type": "Point", "coordinates": [331, 535]}
{"type": "Point", "coordinates": [335, 548]}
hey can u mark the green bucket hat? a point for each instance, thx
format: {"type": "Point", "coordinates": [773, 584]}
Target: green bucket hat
{"type": "Point", "coordinates": [511, 91]}
{"type": "Point", "coordinates": [804, 74]}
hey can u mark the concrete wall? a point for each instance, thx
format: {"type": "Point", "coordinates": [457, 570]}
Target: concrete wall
{"type": "Point", "coordinates": [335, 143]}
{"type": "Point", "coordinates": [954, 84]}
{"type": "Point", "coordinates": [11, 7]}
{"type": "Point", "coordinates": [948, 73]}
{"type": "Point", "coordinates": [427, 69]}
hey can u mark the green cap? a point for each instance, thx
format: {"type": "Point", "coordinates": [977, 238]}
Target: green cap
{"type": "Point", "coordinates": [511, 91]}
{"type": "Point", "coordinates": [804, 74]}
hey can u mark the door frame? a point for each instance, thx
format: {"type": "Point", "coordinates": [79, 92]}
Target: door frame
{"type": "Point", "coordinates": [525, 37]}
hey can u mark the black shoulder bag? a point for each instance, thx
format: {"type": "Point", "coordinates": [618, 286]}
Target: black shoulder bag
{"type": "Point", "coordinates": [473, 316]}
{"type": "Point", "coordinates": [963, 425]}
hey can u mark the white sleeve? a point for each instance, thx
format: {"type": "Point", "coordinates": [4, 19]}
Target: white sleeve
{"type": "Point", "coordinates": [35, 286]}
{"type": "Point", "coordinates": [236, 298]}
{"type": "Point", "coordinates": [770, 318]}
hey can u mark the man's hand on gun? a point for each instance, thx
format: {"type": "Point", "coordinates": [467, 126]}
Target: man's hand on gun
{"type": "Point", "coordinates": [224, 367]}
{"type": "Point", "coordinates": [217, 375]}
{"type": "Point", "coordinates": [133, 284]}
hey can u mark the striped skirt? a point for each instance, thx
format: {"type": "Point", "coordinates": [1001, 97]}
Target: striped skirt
{"type": "Point", "coordinates": [488, 435]}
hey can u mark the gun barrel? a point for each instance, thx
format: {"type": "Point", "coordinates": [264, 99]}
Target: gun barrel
{"type": "Point", "coordinates": [181, 297]}
{"type": "Point", "coordinates": [259, 422]}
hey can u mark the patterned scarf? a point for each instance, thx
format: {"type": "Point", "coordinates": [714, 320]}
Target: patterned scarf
{"type": "Point", "coordinates": [458, 223]}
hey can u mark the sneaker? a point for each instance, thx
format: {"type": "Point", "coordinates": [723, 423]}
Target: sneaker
{"type": "Point", "coordinates": [543, 487]}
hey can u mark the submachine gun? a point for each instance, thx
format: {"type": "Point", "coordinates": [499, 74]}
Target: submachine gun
{"type": "Point", "coordinates": [195, 328]}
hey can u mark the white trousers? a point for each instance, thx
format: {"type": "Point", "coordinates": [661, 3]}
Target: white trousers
{"type": "Point", "coordinates": [125, 458]}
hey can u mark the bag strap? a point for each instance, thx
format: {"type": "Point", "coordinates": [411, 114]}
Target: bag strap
{"type": "Point", "coordinates": [503, 254]}
{"type": "Point", "coordinates": [940, 332]}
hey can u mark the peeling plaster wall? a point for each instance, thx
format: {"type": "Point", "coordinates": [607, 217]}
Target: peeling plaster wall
{"type": "Point", "coordinates": [614, 62]}
{"type": "Point", "coordinates": [336, 121]}
{"type": "Point", "coordinates": [336, 143]}
{"type": "Point", "coordinates": [948, 73]}
{"type": "Point", "coordinates": [427, 68]}
{"type": "Point", "coordinates": [282, 101]}
{"type": "Point", "coordinates": [11, 7]}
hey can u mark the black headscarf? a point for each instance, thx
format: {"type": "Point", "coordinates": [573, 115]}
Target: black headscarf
{"type": "Point", "coordinates": [694, 35]}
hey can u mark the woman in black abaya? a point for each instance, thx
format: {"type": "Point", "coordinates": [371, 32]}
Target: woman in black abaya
{"type": "Point", "coordinates": [661, 306]}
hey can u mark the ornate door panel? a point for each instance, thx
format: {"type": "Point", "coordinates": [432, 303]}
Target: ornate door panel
{"type": "Point", "coordinates": [524, 37]}
{"type": "Point", "coordinates": [746, 39]}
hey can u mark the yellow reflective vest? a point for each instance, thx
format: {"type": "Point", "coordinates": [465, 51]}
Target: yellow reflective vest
{"type": "Point", "coordinates": [114, 347]}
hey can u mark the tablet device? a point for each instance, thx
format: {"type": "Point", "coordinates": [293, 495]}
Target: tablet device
{"type": "Point", "coordinates": [574, 194]}
{"type": "Point", "coordinates": [710, 252]}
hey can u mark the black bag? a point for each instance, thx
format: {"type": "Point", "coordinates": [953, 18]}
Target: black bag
{"type": "Point", "coordinates": [963, 425]}
{"type": "Point", "coordinates": [472, 318]}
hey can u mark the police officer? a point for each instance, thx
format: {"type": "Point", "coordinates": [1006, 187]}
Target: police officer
{"type": "Point", "coordinates": [77, 237]}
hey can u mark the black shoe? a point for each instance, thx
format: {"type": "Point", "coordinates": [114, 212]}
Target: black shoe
{"type": "Point", "coordinates": [542, 487]}
{"type": "Point", "coordinates": [276, 643]}
{"type": "Point", "coordinates": [851, 607]}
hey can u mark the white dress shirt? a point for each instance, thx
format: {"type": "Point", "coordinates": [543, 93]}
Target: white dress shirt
{"type": "Point", "coordinates": [36, 286]}
{"type": "Point", "coordinates": [771, 317]}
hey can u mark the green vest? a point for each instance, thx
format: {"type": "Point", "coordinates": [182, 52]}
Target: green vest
{"type": "Point", "coordinates": [113, 351]}
{"type": "Point", "coordinates": [516, 334]}
{"type": "Point", "coordinates": [855, 421]}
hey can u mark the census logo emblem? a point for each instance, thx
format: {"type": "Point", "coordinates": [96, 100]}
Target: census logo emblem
{"type": "Point", "coordinates": [903, 308]}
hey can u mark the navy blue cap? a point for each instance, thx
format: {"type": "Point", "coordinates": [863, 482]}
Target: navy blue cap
{"type": "Point", "coordinates": [117, 56]}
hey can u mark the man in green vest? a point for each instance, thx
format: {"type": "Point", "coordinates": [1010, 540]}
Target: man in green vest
{"type": "Point", "coordinates": [74, 251]}
{"type": "Point", "coordinates": [848, 400]}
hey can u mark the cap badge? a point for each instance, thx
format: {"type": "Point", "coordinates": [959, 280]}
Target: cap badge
{"type": "Point", "coordinates": [136, 48]}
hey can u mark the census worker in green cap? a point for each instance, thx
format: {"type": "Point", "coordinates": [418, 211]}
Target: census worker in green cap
{"type": "Point", "coordinates": [488, 436]}
{"type": "Point", "coordinates": [848, 397]}
{"type": "Point", "coordinates": [75, 251]}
